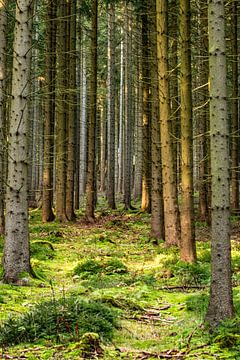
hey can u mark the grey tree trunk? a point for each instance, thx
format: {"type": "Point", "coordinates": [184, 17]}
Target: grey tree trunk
{"type": "Point", "coordinates": [3, 42]}
{"type": "Point", "coordinates": [72, 102]}
{"type": "Point", "coordinates": [221, 302]}
{"type": "Point", "coordinates": [111, 107]}
{"type": "Point", "coordinates": [157, 215]}
{"type": "Point", "coordinates": [235, 110]}
{"type": "Point", "coordinates": [91, 159]}
{"type": "Point", "coordinates": [128, 110]}
{"type": "Point", "coordinates": [121, 120]}
{"type": "Point", "coordinates": [16, 258]}
{"type": "Point", "coordinates": [61, 113]}
{"type": "Point", "coordinates": [49, 118]}
{"type": "Point", "coordinates": [146, 124]}
{"type": "Point", "coordinates": [83, 122]}
{"type": "Point", "coordinates": [187, 245]}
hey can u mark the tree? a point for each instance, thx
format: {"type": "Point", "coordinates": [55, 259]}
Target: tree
{"type": "Point", "coordinates": [157, 216]}
{"type": "Point", "coordinates": [61, 112]}
{"type": "Point", "coordinates": [3, 41]}
{"type": "Point", "coordinates": [16, 257]}
{"type": "Point", "coordinates": [146, 124]}
{"type": "Point", "coordinates": [49, 118]}
{"type": "Point", "coordinates": [220, 303]}
{"type": "Point", "coordinates": [171, 220]}
{"type": "Point", "coordinates": [111, 106]}
{"type": "Point", "coordinates": [71, 103]}
{"type": "Point", "coordinates": [187, 245]}
{"type": "Point", "coordinates": [235, 111]}
{"type": "Point", "coordinates": [91, 155]}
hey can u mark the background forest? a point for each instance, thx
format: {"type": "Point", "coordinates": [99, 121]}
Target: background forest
{"type": "Point", "coordinates": [119, 126]}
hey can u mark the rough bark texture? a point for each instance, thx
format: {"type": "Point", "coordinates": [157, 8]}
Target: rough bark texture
{"type": "Point", "coordinates": [3, 24]}
{"type": "Point", "coordinates": [146, 125]}
{"type": "Point", "coordinates": [187, 245]}
{"type": "Point", "coordinates": [221, 303]}
{"type": "Point", "coordinates": [202, 116]}
{"type": "Point", "coordinates": [111, 107]}
{"type": "Point", "coordinates": [61, 114]}
{"type": "Point", "coordinates": [128, 110]}
{"type": "Point", "coordinates": [72, 101]}
{"type": "Point", "coordinates": [157, 216]}
{"type": "Point", "coordinates": [171, 220]}
{"type": "Point", "coordinates": [49, 118]}
{"type": "Point", "coordinates": [121, 120]}
{"type": "Point", "coordinates": [235, 111]}
{"type": "Point", "coordinates": [16, 258]}
{"type": "Point", "coordinates": [91, 156]}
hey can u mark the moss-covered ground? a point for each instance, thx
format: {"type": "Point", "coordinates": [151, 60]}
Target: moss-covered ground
{"type": "Point", "coordinates": [160, 302]}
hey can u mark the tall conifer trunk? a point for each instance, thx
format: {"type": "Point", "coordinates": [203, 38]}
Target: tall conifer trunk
{"type": "Point", "coordinates": [111, 106]}
{"type": "Point", "coordinates": [146, 124]}
{"type": "Point", "coordinates": [91, 155]}
{"type": "Point", "coordinates": [187, 246]}
{"type": "Point", "coordinates": [71, 146]}
{"type": "Point", "coordinates": [235, 110]}
{"type": "Point", "coordinates": [16, 258]}
{"type": "Point", "coordinates": [221, 302]}
{"type": "Point", "coordinates": [49, 118]}
{"type": "Point", "coordinates": [171, 220]}
{"type": "Point", "coordinates": [3, 42]}
{"type": "Point", "coordinates": [61, 115]}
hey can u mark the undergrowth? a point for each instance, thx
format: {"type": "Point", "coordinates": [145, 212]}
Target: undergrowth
{"type": "Point", "coordinates": [63, 319]}
{"type": "Point", "coordinates": [118, 284]}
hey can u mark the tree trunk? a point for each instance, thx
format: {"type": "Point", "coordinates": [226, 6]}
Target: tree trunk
{"type": "Point", "coordinates": [72, 102]}
{"type": "Point", "coordinates": [111, 106]}
{"type": "Point", "coordinates": [171, 220]}
{"type": "Point", "coordinates": [221, 302]}
{"type": "Point", "coordinates": [49, 118]}
{"type": "Point", "coordinates": [128, 110]}
{"type": "Point", "coordinates": [146, 126]}
{"type": "Point", "coordinates": [235, 111]}
{"type": "Point", "coordinates": [61, 129]}
{"type": "Point", "coordinates": [16, 258]}
{"type": "Point", "coordinates": [91, 156]}
{"type": "Point", "coordinates": [3, 43]}
{"type": "Point", "coordinates": [187, 245]}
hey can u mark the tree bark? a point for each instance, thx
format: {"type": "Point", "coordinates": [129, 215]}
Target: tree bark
{"type": "Point", "coordinates": [146, 125]}
{"type": "Point", "coordinates": [221, 302]}
{"type": "Point", "coordinates": [187, 245]}
{"type": "Point", "coordinates": [61, 129]}
{"type": "Point", "coordinates": [157, 216]}
{"type": "Point", "coordinates": [91, 156]}
{"type": "Point", "coordinates": [16, 257]}
{"type": "Point", "coordinates": [3, 43]}
{"type": "Point", "coordinates": [171, 219]}
{"type": "Point", "coordinates": [111, 107]}
{"type": "Point", "coordinates": [235, 111]}
{"type": "Point", "coordinates": [72, 102]}
{"type": "Point", "coordinates": [49, 118]}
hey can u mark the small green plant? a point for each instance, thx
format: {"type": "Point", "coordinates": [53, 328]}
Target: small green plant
{"type": "Point", "coordinates": [92, 267]}
{"type": "Point", "coordinates": [227, 334]}
{"type": "Point", "coordinates": [191, 274]}
{"type": "Point", "coordinates": [66, 318]}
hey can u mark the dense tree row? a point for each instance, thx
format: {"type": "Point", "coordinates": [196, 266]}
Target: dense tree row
{"type": "Point", "coordinates": [112, 98]}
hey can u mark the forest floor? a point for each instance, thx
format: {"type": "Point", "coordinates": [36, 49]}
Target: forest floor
{"type": "Point", "coordinates": [159, 301]}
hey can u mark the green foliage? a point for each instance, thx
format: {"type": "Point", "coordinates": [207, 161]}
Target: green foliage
{"type": "Point", "coordinates": [66, 318]}
{"type": "Point", "coordinates": [197, 303]}
{"type": "Point", "coordinates": [227, 334]}
{"type": "Point", "coordinates": [191, 274]}
{"type": "Point", "coordinates": [42, 250]}
{"type": "Point", "coordinates": [93, 267]}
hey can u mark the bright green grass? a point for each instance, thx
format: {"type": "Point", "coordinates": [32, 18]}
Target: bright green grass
{"type": "Point", "coordinates": [155, 279]}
